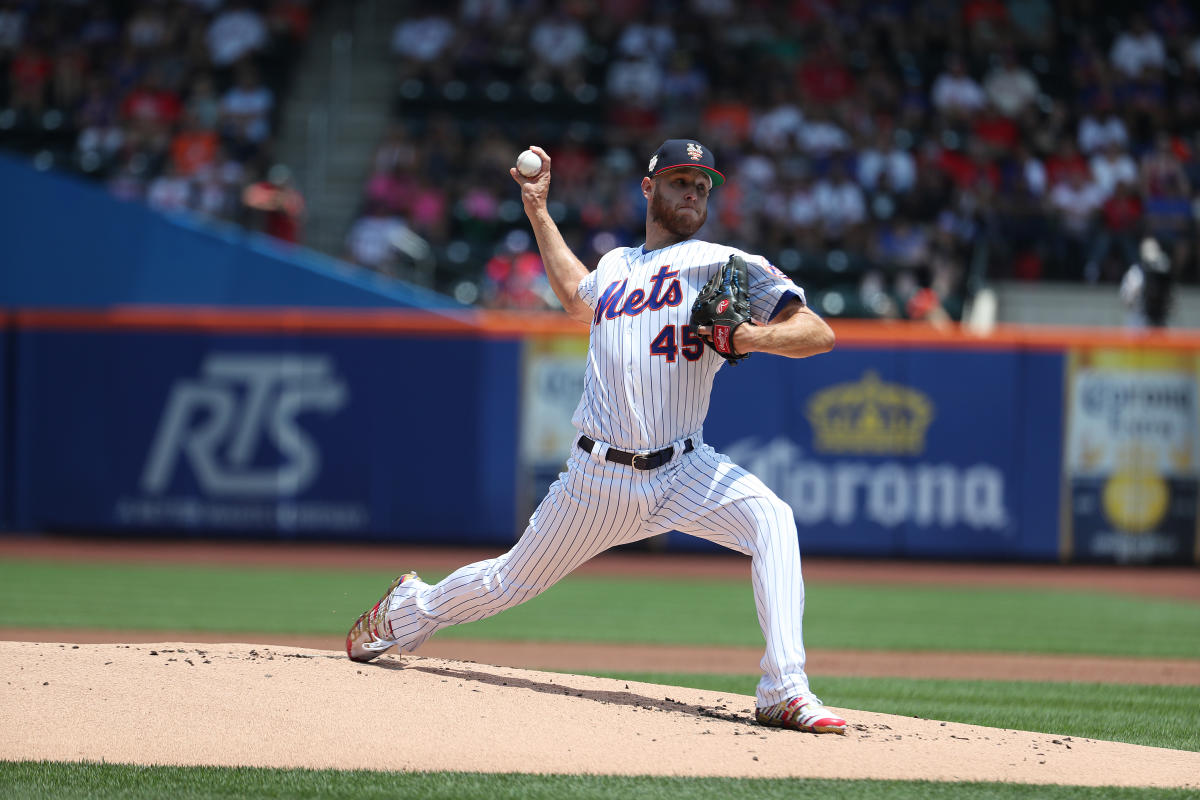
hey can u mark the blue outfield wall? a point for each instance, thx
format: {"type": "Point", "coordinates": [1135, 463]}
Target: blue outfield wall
{"type": "Point", "coordinates": [348, 429]}
{"type": "Point", "coordinates": [6, 424]}
{"type": "Point", "coordinates": [332, 436]}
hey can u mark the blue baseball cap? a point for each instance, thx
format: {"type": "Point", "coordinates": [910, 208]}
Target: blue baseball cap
{"type": "Point", "coordinates": [676, 153]}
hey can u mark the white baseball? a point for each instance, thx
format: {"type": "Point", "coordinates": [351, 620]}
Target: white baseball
{"type": "Point", "coordinates": [529, 164]}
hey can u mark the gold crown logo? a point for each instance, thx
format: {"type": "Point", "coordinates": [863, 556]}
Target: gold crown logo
{"type": "Point", "coordinates": [870, 416]}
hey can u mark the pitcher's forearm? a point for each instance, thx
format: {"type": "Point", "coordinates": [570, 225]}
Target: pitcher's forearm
{"type": "Point", "coordinates": [796, 333]}
{"type": "Point", "coordinates": [563, 268]}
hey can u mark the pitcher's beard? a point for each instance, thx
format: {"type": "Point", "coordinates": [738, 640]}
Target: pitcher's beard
{"type": "Point", "coordinates": [674, 222]}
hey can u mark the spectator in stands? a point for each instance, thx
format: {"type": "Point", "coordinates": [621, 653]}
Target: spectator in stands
{"type": "Point", "coordinates": [1010, 87]}
{"type": "Point", "coordinates": [1167, 201]}
{"type": "Point", "coordinates": [236, 32]}
{"type": "Point", "coordinates": [194, 147]}
{"type": "Point", "coordinates": [1120, 226]}
{"type": "Point", "coordinates": [128, 182]}
{"type": "Point", "coordinates": [637, 80]}
{"type": "Point", "coordinates": [1032, 171]}
{"type": "Point", "coordinates": [147, 28]}
{"type": "Point", "coordinates": [1064, 163]}
{"type": "Point", "coordinates": [1137, 49]}
{"type": "Point", "coordinates": [1019, 238]}
{"type": "Point", "coordinates": [275, 205]}
{"type": "Point", "coordinates": [69, 78]}
{"type": "Point", "coordinates": [12, 28]}
{"type": "Point", "coordinates": [171, 191]}
{"type": "Point", "coordinates": [885, 158]}
{"type": "Point", "coordinates": [652, 33]}
{"type": "Point", "coordinates": [1146, 288]}
{"type": "Point", "coordinates": [776, 127]}
{"type": "Point", "coordinates": [246, 113]}
{"type": "Point", "coordinates": [391, 189]}
{"type": "Point", "coordinates": [1075, 201]}
{"type": "Point", "coordinates": [371, 240]}
{"type": "Point", "coordinates": [151, 107]}
{"type": "Point", "coordinates": [1161, 170]}
{"type": "Point", "coordinates": [218, 187]}
{"type": "Point", "coordinates": [98, 123]}
{"type": "Point", "coordinates": [1112, 166]}
{"type": "Point", "coordinates": [557, 45]}
{"type": "Point", "coordinates": [422, 43]}
{"type": "Point", "coordinates": [901, 245]}
{"type": "Point", "coordinates": [203, 105]}
{"type": "Point", "coordinates": [29, 74]}
{"type": "Point", "coordinates": [515, 277]}
{"type": "Point", "coordinates": [955, 93]}
{"type": "Point", "coordinates": [841, 205]}
{"type": "Point", "coordinates": [925, 305]}
{"type": "Point", "coordinates": [1102, 126]}
{"type": "Point", "coordinates": [823, 77]}
{"type": "Point", "coordinates": [428, 210]}
{"type": "Point", "coordinates": [684, 87]}
{"type": "Point", "coordinates": [726, 118]}
{"type": "Point", "coordinates": [821, 136]}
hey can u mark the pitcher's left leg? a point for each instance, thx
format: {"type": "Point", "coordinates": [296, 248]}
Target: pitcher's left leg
{"type": "Point", "coordinates": [717, 500]}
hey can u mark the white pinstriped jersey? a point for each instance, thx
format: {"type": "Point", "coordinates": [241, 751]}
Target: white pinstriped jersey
{"type": "Point", "coordinates": [648, 377]}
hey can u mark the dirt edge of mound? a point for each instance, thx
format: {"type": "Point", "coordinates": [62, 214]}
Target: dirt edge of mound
{"type": "Point", "coordinates": [727, 660]}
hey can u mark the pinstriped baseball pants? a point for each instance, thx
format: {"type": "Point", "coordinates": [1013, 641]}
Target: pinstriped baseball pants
{"type": "Point", "coordinates": [596, 505]}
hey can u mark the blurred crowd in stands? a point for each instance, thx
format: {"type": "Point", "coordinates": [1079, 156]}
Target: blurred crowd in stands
{"type": "Point", "coordinates": [890, 155]}
{"type": "Point", "coordinates": [171, 103]}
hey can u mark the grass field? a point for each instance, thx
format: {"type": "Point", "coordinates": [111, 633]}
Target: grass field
{"type": "Point", "coordinates": [124, 782]}
{"type": "Point", "coordinates": [641, 610]}
{"type": "Point", "coordinates": [587, 608]}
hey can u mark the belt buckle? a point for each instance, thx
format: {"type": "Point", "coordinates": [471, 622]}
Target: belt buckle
{"type": "Point", "coordinates": [645, 458]}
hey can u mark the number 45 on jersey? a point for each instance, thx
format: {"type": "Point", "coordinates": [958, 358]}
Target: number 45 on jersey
{"type": "Point", "coordinates": [670, 343]}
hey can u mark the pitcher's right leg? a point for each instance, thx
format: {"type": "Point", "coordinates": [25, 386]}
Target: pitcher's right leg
{"type": "Point", "coordinates": [584, 513]}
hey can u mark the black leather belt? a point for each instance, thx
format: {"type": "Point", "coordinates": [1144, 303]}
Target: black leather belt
{"type": "Point", "coordinates": [636, 460]}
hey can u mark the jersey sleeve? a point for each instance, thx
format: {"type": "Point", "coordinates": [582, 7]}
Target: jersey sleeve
{"type": "Point", "coordinates": [770, 289]}
{"type": "Point", "coordinates": [587, 285]}
{"type": "Point", "coordinates": [587, 289]}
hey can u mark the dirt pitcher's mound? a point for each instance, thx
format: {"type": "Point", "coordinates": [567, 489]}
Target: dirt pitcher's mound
{"type": "Point", "coordinates": [238, 704]}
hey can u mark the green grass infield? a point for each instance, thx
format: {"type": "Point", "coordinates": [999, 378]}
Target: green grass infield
{"type": "Point", "coordinates": [1156, 716]}
{"type": "Point", "coordinates": [50, 595]}
{"type": "Point", "coordinates": [74, 781]}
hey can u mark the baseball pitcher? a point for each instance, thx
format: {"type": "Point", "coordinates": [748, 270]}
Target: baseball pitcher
{"type": "Point", "coordinates": [664, 317]}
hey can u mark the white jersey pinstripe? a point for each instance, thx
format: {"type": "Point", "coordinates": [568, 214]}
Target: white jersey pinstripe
{"type": "Point", "coordinates": [638, 397]}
